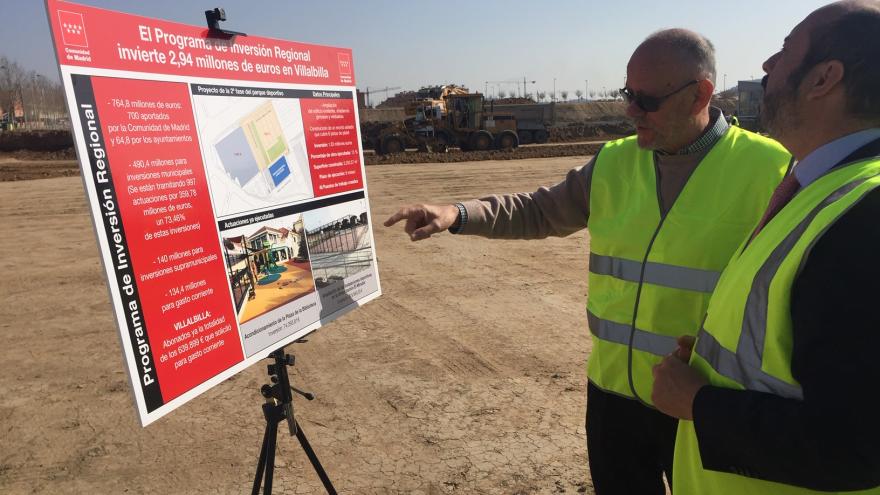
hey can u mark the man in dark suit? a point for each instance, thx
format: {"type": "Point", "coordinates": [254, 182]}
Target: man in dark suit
{"type": "Point", "coordinates": [779, 394]}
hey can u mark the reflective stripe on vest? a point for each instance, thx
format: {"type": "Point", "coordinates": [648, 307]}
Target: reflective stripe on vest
{"type": "Point", "coordinates": [612, 331]}
{"type": "Point", "coordinates": [744, 366]}
{"type": "Point", "coordinates": [733, 366]}
{"type": "Point", "coordinates": [676, 277]}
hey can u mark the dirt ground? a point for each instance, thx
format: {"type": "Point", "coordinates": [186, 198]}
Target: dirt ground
{"type": "Point", "coordinates": [27, 165]}
{"type": "Point", "coordinates": [466, 376]}
{"type": "Point", "coordinates": [13, 169]}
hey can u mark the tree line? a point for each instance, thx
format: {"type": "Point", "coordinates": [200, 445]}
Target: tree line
{"type": "Point", "coordinates": [29, 99]}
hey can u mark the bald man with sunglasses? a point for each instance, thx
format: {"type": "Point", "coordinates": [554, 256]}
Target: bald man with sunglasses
{"type": "Point", "coordinates": [666, 209]}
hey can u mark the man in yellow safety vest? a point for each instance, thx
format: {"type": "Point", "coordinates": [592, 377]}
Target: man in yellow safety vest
{"type": "Point", "coordinates": [666, 209]}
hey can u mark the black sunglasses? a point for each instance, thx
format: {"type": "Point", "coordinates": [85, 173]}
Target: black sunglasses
{"type": "Point", "coordinates": [649, 103]}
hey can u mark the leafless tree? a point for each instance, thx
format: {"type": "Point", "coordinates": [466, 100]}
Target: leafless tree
{"type": "Point", "coordinates": [541, 95]}
{"type": "Point", "coordinates": [11, 78]}
{"type": "Point", "coordinates": [26, 96]}
{"type": "Point", "coordinates": [579, 94]}
{"type": "Point", "coordinates": [564, 94]}
{"type": "Point", "coordinates": [502, 93]}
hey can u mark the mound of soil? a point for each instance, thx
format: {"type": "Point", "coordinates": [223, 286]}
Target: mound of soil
{"type": "Point", "coordinates": [588, 111]}
{"type": "Point", "coordinates": [35, 140]}
{"type": "Point", "coordinates": [513, 101]}
{"type": "Point", "coordinates": [31, 155]}
{"type": "Point", "coordinates": [461, 156]}
{"type": "Point", "coordinates": [578, 131]}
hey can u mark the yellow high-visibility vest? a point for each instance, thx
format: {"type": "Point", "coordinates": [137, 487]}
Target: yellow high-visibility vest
{"type": "Point", "coordinates": [655, 272]}
{"type": "Point", "coordinates": [746, 340]}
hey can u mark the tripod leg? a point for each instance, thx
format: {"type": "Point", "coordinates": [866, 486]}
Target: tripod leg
{"type": "Point", "coordinates": [270, 459]}
{"type": "Point", "coordinates": [261, 464]}
{"type": "Point", "coordinates": [316, 463]}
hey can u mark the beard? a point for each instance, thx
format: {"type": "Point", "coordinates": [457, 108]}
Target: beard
{"type": "Point", "coordinates": [779, 111]}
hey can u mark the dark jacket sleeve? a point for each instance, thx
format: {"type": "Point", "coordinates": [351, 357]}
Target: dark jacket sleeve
{"type": "Point", "coordinates": [831, 439]}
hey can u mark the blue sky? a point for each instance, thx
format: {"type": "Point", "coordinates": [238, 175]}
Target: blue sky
{"type": "Point", "coordinates": [416, 43]}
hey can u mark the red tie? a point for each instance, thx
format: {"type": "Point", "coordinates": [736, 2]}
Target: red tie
{"type": "Point", "coordinates": [781, 196]}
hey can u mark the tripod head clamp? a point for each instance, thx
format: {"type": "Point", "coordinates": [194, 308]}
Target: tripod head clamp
{"type": "Point", "coordinates": [279, 393]}
{"type": "Point", "coordinates": [213, 18]}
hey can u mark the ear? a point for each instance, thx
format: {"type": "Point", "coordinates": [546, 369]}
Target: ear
{"type": "Point", "coordinates": [823, 78]}
{"type": "Point", "coordinates": [705, 89]}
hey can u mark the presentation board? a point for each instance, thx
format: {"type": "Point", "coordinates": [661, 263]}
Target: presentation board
{"type": "Point", "coordinates": [226, 183]}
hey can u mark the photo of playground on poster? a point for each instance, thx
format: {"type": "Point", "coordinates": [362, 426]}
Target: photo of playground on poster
{"type": "Point", "coordinates": [268, 265]}
{"type": "Point", "coordinates": [254, 151]}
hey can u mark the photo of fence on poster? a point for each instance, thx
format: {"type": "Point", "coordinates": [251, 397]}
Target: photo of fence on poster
{"type": "Point", "coordinates": [340, 248]}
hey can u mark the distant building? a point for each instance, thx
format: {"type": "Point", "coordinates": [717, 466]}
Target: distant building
{"type": "Point", "coordinates": [748, 106]}
{"type": "Point", "coordinates": [16, 117]}
{"type": "Point", "coordinates": [272, 245]}
{"type": "Point", "coordinates": [236, 254]}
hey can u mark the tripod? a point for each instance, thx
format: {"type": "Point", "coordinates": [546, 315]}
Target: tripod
{"type": "Point", "coordinates": [278, 407]}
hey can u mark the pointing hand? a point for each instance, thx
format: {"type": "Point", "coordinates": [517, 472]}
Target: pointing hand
{"type": "Point", "coordinates": [422, 221]}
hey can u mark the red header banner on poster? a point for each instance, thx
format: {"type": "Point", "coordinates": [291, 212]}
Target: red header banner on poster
{"type": "Point", "coordinates": [225, 180]}
{"type": "Point", "coordinates": [92, 37]}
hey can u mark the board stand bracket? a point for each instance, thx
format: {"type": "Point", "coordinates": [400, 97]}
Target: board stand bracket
{"type": "Point", "coordinates": [277, 408]}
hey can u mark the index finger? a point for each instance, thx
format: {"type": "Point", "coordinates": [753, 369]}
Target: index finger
{"type": "Point", "coordinates": [400, 215]}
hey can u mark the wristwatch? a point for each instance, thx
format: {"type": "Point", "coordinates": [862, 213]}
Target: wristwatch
{"type": "Point", "coordinates": [460, 222]}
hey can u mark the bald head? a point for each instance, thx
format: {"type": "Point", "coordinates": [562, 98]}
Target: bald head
{"type": "Point", "coordinates": [835, 10]}
{"type": "Point", "coordinates": [683, 52]}
{"type": "Point", "coordinates": [674, 69]}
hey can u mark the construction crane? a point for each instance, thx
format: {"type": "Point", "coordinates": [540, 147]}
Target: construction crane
{"type": "Point", "coordinates": [368, 92]}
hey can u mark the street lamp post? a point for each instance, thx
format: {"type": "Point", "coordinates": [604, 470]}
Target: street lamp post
{"type": "Point", "coordinates": [40, 109]}
{"type": "Point", "coordinates": [7, 112]}
{"type": "Point", "coordinates": [10, 112]}
{"type": "Point", "coordinates": [525, 91]}
{"type": "Point", "coordinates": [586, 89]}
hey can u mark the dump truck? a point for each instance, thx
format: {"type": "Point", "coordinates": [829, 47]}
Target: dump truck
{"type": "Point", "coordinates": [533, 120]}
{"type": "Point", "coordinates": [433, 96]}
{"type": "Point", "coordinates": [468, 122]}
